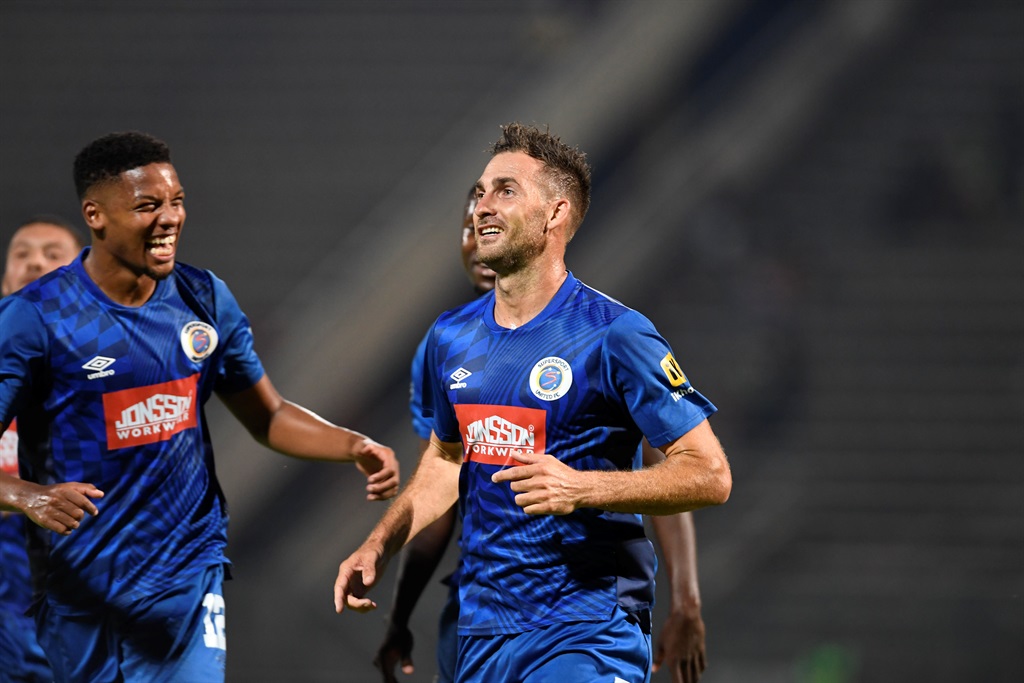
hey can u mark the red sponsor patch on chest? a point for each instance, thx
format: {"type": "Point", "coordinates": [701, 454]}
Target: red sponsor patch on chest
{"type": "Point", "coordinates": [490, 434]}
{"type": "Point", "coordinates": [143, 415]}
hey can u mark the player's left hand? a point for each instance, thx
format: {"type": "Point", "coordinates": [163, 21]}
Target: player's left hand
{"type": "Point", "coordinates": [680, 647]}
{"type": "Point", "coordinates": [380, 466]}
{"type": "Point", "coordinates": [356, 576]}
{"type": "Point", "coordinates": [396, 649]}
{"type": "Point", "coordinates": [545, 485]}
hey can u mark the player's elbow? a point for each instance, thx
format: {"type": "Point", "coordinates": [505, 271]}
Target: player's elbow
{"type": "Point", "coordinates": [718, 482]}
{"type": "Point", "coordinates": [722, 487]}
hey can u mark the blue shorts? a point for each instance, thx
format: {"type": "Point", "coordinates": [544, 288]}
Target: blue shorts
{"type": "Point", "coordinates": [174, 637]}
{"type": "Point", "coordinates": [21, 658]}
{"type": "Point", "coordinates": [614, 651]}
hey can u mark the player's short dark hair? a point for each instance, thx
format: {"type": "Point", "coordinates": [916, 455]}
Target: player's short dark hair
{"type": "Point", "coordinates": [111, 155]}
{"type": "Point", "coordinates": [59, 221]}
{"type": "Point", "coordinates": [567, 166]}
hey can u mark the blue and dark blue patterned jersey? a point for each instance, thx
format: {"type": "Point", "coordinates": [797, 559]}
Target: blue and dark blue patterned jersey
{"type": "Point", "coordinates": [113, 396]}
{"type": "Point", "coordinates": [422, 423]}
{"type": "Point", "coordinates": [15, 583]}
{"type": "Point", "coordinates": [584, 380]}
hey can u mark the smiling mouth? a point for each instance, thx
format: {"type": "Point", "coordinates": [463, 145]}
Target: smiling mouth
{"type": "Point", "coordinates": [489, 230]}
{"type": "Point", "coordinates": [162, 247]}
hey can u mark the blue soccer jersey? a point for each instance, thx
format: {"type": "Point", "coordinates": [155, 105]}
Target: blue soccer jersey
{"type": "Point", "coordinates": [584, 380]}
{"type": "Point", "coordinates": [15, 584]}
{"type": "Point", "coordinates": [112, 395]}
{"type": "Point", "coordinates": [422, 423]}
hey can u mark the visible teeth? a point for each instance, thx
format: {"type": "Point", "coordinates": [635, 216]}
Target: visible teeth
{"type": "Point", "coordinates": [489, 231]}
{"type": "Point", "coordinates": [157, 241]}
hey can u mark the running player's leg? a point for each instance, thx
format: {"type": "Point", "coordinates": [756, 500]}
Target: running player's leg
{"type": "Point", "coordinates": [21, 658]}
{"type": "Point", "coordinates": [614, 651]}
{"type": "Point", "coordinates": [179, 636]}
{"type": "Point", "coordinates": [81, 647]}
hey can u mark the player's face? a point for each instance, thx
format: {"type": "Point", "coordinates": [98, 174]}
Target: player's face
{"type": "Point", "coordinates": [513, 202]}
{"type": "Point", "coordinates": [137, 219]}
{"type": "Point", "coordinates": [35, 250]}
{"type": "Point", "coordinates": [480, 275]}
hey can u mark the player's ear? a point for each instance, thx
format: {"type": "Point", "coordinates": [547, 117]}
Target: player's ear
{"type": "Point", "coordinates": [559, 213]}
{"type": "Point", "coordinates": [92, 212]}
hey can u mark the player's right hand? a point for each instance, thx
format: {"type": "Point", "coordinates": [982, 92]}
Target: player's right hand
{"type": "Point", "coordinates": [356, 576]}
{"type": "Point", "coordinates": [60, 507]}
{"type": "Point", "coordinates": [397, 647]}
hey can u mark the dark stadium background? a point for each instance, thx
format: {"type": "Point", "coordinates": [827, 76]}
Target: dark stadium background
{"type": "Point", "coordinates": [819, 203]}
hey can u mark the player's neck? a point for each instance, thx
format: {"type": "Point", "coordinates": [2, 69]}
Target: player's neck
{"type": "Point", "coordinates": [519, 297]}
{"type": "Point", "coordinates": [120, 284]}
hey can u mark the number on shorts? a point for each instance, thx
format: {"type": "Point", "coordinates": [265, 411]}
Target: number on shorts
{"type": "Point", "coordinates": [213, 622]}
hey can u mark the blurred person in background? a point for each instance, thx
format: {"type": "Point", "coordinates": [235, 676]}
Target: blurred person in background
{"type": "Point", "coordinates": [39, 245]}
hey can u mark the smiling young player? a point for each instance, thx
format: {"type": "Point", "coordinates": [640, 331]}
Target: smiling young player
{"type": "Point", "coordinates": [107, 365]}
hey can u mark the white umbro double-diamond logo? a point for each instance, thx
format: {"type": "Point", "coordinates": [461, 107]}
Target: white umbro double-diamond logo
{"type": "Point", "coordinates": [459, 375]}
{"type": "Point", "coordinates": [99, 366]}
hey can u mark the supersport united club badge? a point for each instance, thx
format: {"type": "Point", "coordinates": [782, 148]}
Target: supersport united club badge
{"type": "Point", "coordinates": [198, 340]}
{"type": "Point", "coordinates": [550, 378]}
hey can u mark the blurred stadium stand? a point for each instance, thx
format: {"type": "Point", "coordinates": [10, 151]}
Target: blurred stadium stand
{"type": "Point", "coordinates": [819, 202]}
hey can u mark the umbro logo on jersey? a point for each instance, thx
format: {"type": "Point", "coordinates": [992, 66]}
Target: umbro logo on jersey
{"type": "Point", "coordinates": [99, 366]}
{"type": "Point", "coordinates": [459, 375]}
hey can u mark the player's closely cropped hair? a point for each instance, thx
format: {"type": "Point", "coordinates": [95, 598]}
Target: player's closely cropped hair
{"type": "Point", "coordinates": [111, 155]}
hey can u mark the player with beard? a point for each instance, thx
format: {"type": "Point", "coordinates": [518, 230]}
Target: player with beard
{"type": "Point", "coordinates": [540, 394]}
{"type": "Point", "coordinates": [680, 648]}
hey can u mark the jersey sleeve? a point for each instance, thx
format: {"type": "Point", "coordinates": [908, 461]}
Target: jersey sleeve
{"type": "Point", "coordinates": [240, 367]}
{"type": "Point", "coordinates": [436, 405]}
{"type": "Point", "coordinates": [641, 369]}
{"type": "Point", "coordinates": [421, 422]}
{"type": "Point", "coordinates": [23, 350]}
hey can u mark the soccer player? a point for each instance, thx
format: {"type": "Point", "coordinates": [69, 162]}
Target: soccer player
{"type": "Point", "coordinates": [681, 645]}
{"type": "Point", "coordinates": [39, 245]}
{"type": "Point", "coordinates": [540, 394]}
{"type": "Point", "coordinates": [107, 364]}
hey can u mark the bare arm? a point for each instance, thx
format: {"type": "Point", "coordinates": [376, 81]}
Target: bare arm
{"type": "Point", "coordinates": [418, 561]}
{"type": "Point", "coordinates": [58, 507]}
{"type": "Point", "coordinates": [680, 645]}
{"type": "Point", "coordinates": [292, 430]}
{"type": "Point", "coordinates": [695, 474]}
{"type": "Point", "coordinates": [432, 491]}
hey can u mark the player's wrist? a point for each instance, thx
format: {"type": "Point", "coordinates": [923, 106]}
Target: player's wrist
{"type": "Point", "coordinates": [15, 494]}
{"type": "Point", "coordinates": [687, 608]}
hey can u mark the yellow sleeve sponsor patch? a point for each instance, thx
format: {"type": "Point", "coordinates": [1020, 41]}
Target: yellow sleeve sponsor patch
{"type": "Point", "coordinates": [672, 370]}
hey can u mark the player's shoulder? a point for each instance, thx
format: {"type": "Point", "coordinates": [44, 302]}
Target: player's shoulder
{"type": "Point", "coordinates": [470, 310]}
{"type": "Point", "coordinates": [203, 286]}
{"type": "Point", "coordinates": [57, 285]}
{"type": "Point", "coordinates": [193, 276]}
{"type": "Point", "coordinates": [606, 309]}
